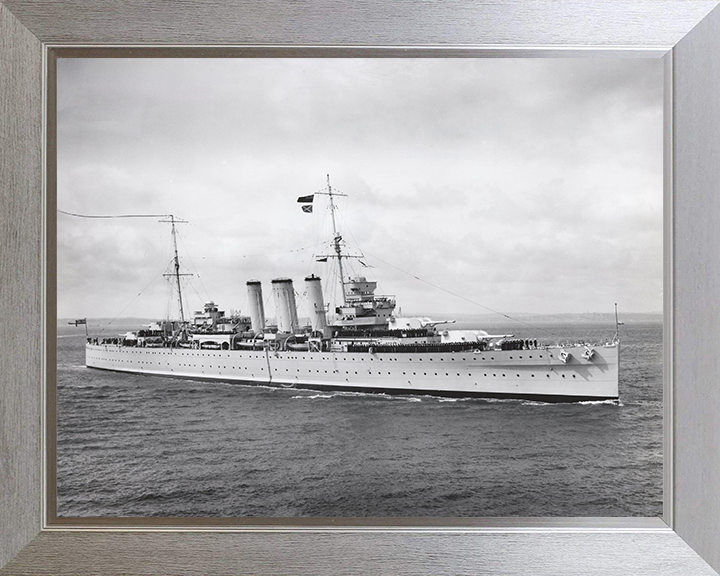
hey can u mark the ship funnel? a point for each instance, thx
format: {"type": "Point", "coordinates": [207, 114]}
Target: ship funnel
{"type": "Point", "coordinates": [257, 310]}
{"type": "Point", "coordinates": [285, 308]}
{"type": "Point", "coordinates": [315, 303]}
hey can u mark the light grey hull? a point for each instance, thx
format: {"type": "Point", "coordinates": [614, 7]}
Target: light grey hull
{"type": "Point", "coordinates": [538, 373]}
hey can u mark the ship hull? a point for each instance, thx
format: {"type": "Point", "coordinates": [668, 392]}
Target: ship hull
{"type": "Point", "coordinates": [538, 374]}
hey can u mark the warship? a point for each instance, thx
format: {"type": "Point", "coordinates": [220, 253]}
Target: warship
{"type": "Point", "coordinates": [363, 346]}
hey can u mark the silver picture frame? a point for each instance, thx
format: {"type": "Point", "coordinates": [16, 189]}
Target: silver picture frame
{"type": "Point", "coordinates": [686, 34]}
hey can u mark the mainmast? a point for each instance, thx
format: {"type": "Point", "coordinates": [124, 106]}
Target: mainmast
{"type": "Point", "coordinates": [177, 274]}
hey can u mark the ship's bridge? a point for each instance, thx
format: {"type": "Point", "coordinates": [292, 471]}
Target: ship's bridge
{"type": "Point", "coordinates": [359, 288]}
{"type": "Point", "coordinates": [209, 316]}
{"type": "Point", "coordinates": [362, 306]}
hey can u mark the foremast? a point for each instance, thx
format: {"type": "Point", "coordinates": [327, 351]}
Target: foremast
{"type": "Point", "coordinates": [337, 238]}
{"type": "Point", "coordinates": [360, 306]}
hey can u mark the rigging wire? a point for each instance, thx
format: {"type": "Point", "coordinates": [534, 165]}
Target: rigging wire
{"type": "Point", "coordinates": [266, 254]}
{"type": "Point", "coordinates": [191, 285]}
{"type": "Point", "coordinates": [535, 327]}
{"type": "Point", "coordinates": [133, 300]}
{"type": "Point", "coordinates": [242, 304]}
{"type": "Point", "coordinates": [322, 247]}
{"type": "Point", "coordinates": [197, 274]}
{"type": "Point", "coordinates": [363, 252]}
{"type": "Point", "coordinates": [187, 253]}
{"type": "Point", "coordinates": [357, 247]}
{"type": "Point", "coordinates": [117, 216]}
{"type": "Point", "coordinates": [114, 215]}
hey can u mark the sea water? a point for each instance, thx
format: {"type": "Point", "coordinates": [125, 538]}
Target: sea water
{"type": "Point", "coordinates": [133, 445]}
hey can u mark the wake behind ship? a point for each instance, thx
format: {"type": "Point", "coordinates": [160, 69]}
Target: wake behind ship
{"type": "Point", "coordinates": [364, 346]}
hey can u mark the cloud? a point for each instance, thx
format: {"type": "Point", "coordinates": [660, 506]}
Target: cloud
{"type": "Point", "coordinates": [532, 184]}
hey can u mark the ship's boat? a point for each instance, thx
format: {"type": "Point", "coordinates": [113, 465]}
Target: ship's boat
{"type": "Point", "coordinates": [364, 346]}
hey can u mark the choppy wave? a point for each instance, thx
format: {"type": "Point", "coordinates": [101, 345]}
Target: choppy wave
{"type": "Point", "coordinates": [152, 446]}
{"type": "Point", "coordinates": [601, 402]}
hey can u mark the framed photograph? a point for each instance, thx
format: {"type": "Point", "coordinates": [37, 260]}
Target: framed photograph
{"type": "Point", "coordinates": [202, 532]}
{"type": "Point", "coordinates": [369, 307]}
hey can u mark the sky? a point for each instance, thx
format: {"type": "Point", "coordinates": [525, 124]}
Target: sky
{"type": "Point", "coordinates": [472, 185]}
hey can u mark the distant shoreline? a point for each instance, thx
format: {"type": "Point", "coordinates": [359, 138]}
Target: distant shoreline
{"type": "Point", "coordinates": [567, 318]}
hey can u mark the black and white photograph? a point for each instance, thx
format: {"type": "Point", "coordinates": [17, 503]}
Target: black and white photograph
{"type": "Point", "coordinates": [359, 287]}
